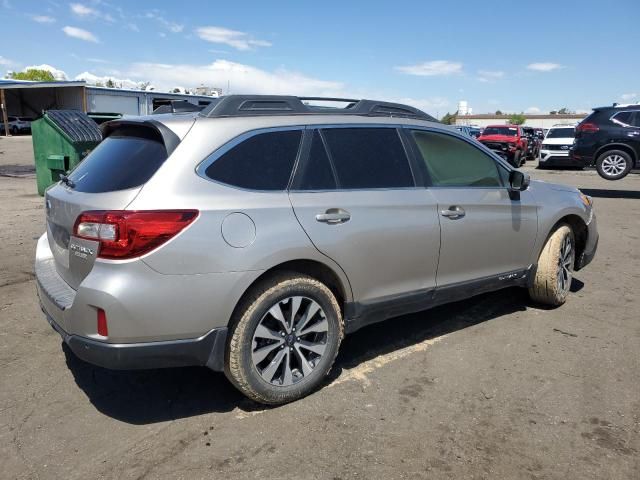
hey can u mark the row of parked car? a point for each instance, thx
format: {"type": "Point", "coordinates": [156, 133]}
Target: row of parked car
{"type": "Point", "coordinates": [608, 139]}
{"type": "Point", "coordinates": [17, 125]}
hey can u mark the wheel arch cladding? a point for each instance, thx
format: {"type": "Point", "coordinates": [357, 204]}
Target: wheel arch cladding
{"type": "Point", "coordinates": [312, 268]}
{"type": "Point", "coordinates": [617, 146]}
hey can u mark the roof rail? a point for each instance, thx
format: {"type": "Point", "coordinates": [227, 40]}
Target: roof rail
{"type": "Point", "coordinates": [257, 105]}
{"type": "Point", "coordinates": [177, 106]}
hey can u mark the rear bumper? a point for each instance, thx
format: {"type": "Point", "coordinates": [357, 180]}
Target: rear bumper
{"type": "Point", "coordinates": [207, 350]}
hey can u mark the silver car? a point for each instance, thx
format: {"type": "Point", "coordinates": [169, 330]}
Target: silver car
{"type": "Point", "coordinates": [250, 237]}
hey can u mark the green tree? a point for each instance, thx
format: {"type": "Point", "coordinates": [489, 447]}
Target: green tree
{"type": "Point", "coordinates": [449, 118]}
{"type": "Point", "coordinates": [499, 112]}
{"type": "Point", "coordinates": [175, 90]}
{"type": "Point", "coordinates": [563, 111]}
{"type": "Point", "coordinates": [110, 83]}
{"type": "Point", "coordinates": [33, 74]}
{"type": "Point", "coordinates": [517, 119]}
{"type": "Point", "coordinates": [553, 112]}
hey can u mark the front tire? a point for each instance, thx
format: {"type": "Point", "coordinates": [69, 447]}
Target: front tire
{"type": "Point", "coordinates": [284, 339]}
{"type": "Point", "coordinates": [554, 274]}
{"type": "Point", "coordinates": [614, 164]}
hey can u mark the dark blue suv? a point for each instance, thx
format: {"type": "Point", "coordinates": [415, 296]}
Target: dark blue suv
{"type": "Point", "coordinates": [609, 139]}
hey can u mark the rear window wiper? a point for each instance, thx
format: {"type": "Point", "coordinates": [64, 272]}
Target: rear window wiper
{"type": "Point", "coordinates": [67, 181]}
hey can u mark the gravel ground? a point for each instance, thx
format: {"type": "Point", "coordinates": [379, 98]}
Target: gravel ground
{"type": "Point", "coordinates": [492, 387]}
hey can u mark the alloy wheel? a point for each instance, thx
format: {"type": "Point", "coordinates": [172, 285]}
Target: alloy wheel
{"type": "Point", "coordinates": [565, 265]}
{"type": "Point", "coordinates": [613, 165]}
{"type": "Point", "coordinates": [289, 341]}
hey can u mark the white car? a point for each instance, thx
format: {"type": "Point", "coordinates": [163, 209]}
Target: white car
{"type": "Point", "coordinates": [555, 147]}
{"type": "Point", "coordinates": [16, 124]}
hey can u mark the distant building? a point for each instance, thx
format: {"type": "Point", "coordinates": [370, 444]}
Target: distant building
{"type": "Point", "coordinates": [30, 99]}
{"type": "Point", "coordinates": [538, 121]}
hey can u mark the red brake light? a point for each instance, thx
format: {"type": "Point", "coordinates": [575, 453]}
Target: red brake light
{"type": "Point", "coordinates": [587, 127]}
{"type": "Point", "coordinates": [102, 323]}
{"type": "Point", "coordinates": [128, 234]}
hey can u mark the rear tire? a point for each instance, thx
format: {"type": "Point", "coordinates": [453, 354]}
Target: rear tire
{"type": "Point", "coordinates": [552, 282]}
{"type": "Point", "coordinates": [614, 164]}
{"type": "Point", "coordinates": [284, 339]}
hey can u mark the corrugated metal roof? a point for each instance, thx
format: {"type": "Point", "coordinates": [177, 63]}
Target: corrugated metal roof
{"type": "Point", "coordinates": [11, 83]}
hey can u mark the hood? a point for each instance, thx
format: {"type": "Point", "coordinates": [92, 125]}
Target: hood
{"type": "Point", "coordinates": [497, 138]}
{"type": "Point", "coordinates": [558, 141]}
{"type": "Point", "coordinates": [541, 184]}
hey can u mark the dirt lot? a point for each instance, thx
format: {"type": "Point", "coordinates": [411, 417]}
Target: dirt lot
{"type": "Point", "coordinates": [492, 387]}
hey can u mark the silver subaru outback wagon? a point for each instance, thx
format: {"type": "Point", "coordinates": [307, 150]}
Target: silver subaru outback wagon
{"type": "Point", "coordinates": [251, 236]}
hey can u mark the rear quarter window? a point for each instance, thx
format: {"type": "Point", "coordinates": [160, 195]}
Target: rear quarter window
{"type": "Point", "coordinates": [128, 158]}
{"type": "Point", "coordinates": [261, 162]}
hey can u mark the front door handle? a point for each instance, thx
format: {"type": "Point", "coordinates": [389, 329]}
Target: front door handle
{"type": "Point", "coordinates": [334, 216]}
{"type": "Point", "coordinates": [453, 212]}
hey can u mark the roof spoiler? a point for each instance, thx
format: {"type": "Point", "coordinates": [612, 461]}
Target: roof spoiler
{"type": "Point", "coordinates": [168, 137]}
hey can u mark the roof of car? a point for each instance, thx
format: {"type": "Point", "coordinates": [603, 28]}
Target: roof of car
{"type": "Point", "coordinates": [284, 105]}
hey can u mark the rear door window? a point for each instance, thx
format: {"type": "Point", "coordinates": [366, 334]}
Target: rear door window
{"type": "Point", "coordinates": [368, 158]}
{"type": "Point", "coordinates": [262, 162]}
{"type": "Point", "coordinates": [452, 162]}
{"type": "Point", "coordinates": [126, 159]}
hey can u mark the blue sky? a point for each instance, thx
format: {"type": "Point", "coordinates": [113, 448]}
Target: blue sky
{"type": "Point", "coordinates": [508, 55]}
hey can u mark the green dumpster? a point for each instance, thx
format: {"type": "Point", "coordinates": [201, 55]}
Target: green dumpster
{"type": "Point", "coordinates": [61, 139]}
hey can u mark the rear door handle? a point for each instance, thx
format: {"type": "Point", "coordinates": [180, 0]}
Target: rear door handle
{"type": "Point", "coordinates": [453, 212]}
{"type": "Point", "coordinates": [334, 216]}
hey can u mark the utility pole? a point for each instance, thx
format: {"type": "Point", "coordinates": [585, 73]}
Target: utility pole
{"type": "Point", "coordinates": [5, 119]}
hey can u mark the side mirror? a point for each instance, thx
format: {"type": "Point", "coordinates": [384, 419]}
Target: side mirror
{"type": "Point", "coordinates": [519, 181]}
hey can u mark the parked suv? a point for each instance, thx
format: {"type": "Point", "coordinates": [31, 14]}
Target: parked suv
{"type": "Point", "coordinates": [252, 236]}
{"type": "Point", "coordinates": [16, 125]}
{"type": "Point", "coordinates": [556, 145]}
{"type": "Point", "coordinates": [609, 138]}
{"type": "Point", "coordinates": [533, 143]}
{"type": "Point", "coordinates": [508, 141]}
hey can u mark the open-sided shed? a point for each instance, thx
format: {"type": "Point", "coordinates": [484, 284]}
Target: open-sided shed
{"type": "Point", "coordinates": [30, 99]}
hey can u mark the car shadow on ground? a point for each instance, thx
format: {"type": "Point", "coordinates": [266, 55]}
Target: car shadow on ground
{"type": "Point", "coordinates": [150, 396]}
{"type": "Point", "coordinates": [606, 193]}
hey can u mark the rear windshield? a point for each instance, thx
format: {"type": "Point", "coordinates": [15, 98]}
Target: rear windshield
{"type": "Point", "coordinates": [561, 133]}
{"type": "Point", "coordinates": [509, 131]}
{"type": "Point", "coordinates": [119, 162]}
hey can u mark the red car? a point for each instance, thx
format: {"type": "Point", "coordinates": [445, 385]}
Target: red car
{"type": "Point", "coordinates": [508, 141]}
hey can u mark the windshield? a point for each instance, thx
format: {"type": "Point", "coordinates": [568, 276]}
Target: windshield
{"type": "Point", "coordinates": [561, 133]}
{"type": "Point", "coordinates": [509, 131]}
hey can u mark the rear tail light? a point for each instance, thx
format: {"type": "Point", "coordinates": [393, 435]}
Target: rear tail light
{"type": "Point", "coordinates": [587, 127]}
{"type": "Point", "coordinates": [102, 323]}
{"type": "Point", "coordinates": [128, 234]}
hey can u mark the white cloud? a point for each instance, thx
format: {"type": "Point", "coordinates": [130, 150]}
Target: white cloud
{"type": "Point", "coordinates": [80, 34]}
{"type": "Point", "coordinates": [432, 68]}
{"type": "Point", "coordinates": [87, 12]}
{"type": "Point", "coordinates": [628, 96]}
{"type": "Point", "coordinates": [232, 38]}
{"type": "Point", "coordinates": [241, 78]}
{"type": "Point", "coordinates": [173, 27]}
{"type": "Point", "coordinates": [43, 19]}
{"type": "Point", "coordinates": [426, 104]}
{"type": "Point", "coordinates": [544, 66]}
{"type": "Point", "coordinates": [489, 75]}
{"type": "Point", "coordinates": [533, 110]}
{"type": "Point", "coordinates": [5, 61]}
{"type": "Point", "coordinates": [92, 79]}
{"type": "Point", "coordinates": [57, 74]}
